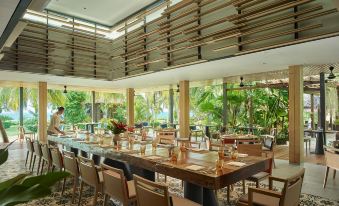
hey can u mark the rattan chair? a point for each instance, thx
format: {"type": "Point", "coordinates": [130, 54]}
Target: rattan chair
{"type": "Point", "coordinates": [91, 176]}
{"type": "Point", "coordinates": [331, 161]}
{"type": "Point", "coordinates": [153, 194]}
{"type": "Point", "coordinates": [46, 158]}
{"type": "Point", "coordinates": [115, 185]}
{"type": "Point", "coordinates": [289, 196]}
{"type": "Point", "coordinates": [37, 153]}
{"type": "Point", "coordinates": [254, 150]}
{"type": "Point", "coordinates": [30, 152]}
{"type": "Point", "coordinates": [71, 166]}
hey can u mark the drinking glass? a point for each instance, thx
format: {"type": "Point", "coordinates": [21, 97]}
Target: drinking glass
{"type": "Point", "coordinates": [142, 149]}
{"type": "Point", "coordinates": [154, 145]}
{"type": "Point", "coordinates": [219, 164]}
{"type": "Point", "coordinates": [234, 155]}
{"type": "Point", "coordinates": [221, 153]}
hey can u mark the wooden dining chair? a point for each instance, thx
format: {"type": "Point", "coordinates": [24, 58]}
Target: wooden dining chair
{"type": "Point", "coordinates": [46, 158]}
{"type": "Point", "coordinates": [57, 160]}
{"type": "Point", "coordinates": [91, 176]}
{"type": "Point", "coordinates": [116, 186]}
{"type": "Point", "coordinates": [254, 150]}
{"type": "Point", "coordinates": [289, 195]}
{"type": "Point", "coordinates": [71, 166]}
{"type": "Point", "coordinates": [331, 162]}
{"type": "Point", "coordinates": [30, 152]}
{"type": "Point", "coordinates": [37, 154]}
{"type": "Point", "coordinates": [268, 146]}
{"type": "Point", "coordinates": [150, 193]}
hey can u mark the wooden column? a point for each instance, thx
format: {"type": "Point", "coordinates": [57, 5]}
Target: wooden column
{"type": "Point", "coordinates": [42, 90]}
{"type": "Point", "coordinates": [21, 106]}
{"type": "Point", "coordinates": [323, 107]}
{"type": "Point", "coordinates": [312, 111]}
{"type": "Point", "coordinates": [94, 108]}
{"type": "Point", "coordinates": [130, 106]}
{"type": "Point", "coordinates": [184, 109]}
{"type": "Point", "coordinates": [224, 104]}
{"type": "Point", "coordinates": [295, 115]}
{"type": "Point", "coordinates": [171, 106]}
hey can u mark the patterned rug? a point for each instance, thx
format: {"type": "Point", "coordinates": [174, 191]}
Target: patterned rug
{"type": "Point", "coordinates": [13, 167]}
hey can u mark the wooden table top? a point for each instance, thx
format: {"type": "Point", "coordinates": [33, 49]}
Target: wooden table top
{"type": "Point", "coordinates": [158, 161]}
{"type": "Point", "coordinates": [239, 136]}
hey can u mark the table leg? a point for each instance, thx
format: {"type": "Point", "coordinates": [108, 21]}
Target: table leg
{"type": "Point", "coordinates": [319, 146]}
{"type": "Point", "coordinates": [92, 128]}
{"type": "Point", "coordinates": [199, 194]}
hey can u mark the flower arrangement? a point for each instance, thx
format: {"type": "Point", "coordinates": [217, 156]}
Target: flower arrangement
{"type": "Point", "coordinates": [117, 127]}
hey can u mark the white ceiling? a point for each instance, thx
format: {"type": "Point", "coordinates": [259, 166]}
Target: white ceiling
{"type": "Point", "coordinates": [316, 52]}
{"type": "Point", "coordinates": [7, 8]}
{"type": "Point", "coordinates": [107, 12]}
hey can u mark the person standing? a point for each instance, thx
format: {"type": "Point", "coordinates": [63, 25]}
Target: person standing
{"type": "Point", "coordinates": [54, 125]}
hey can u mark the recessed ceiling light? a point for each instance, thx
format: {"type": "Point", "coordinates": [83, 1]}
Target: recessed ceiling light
{"type": "Point", "coordinates": [84, 8]}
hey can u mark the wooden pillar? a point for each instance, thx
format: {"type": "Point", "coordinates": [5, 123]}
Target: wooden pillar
{"type": "Point", "coordinates": [250, 113]}
{"type": "Point", "coordinates": [21, 106]}
{"type": "Point", "coordinates": [171, 106]}
{"type": "Point", "coordinates": [295, 115]}
{"type": "Point", "coordinates": [94, 108]}
{"type": "Point", "coordinates": [130, 106]}
{"type": "Point", "coordinates": [184, 109]}
{"type": "Point", "coordinates": [312, 111]}
{"type": "Point", "coordinates": [42, 90]}
{"type": "Point", "coordinates": [224, 104]}
{"type": "Point", "coordinates": [323, 105]}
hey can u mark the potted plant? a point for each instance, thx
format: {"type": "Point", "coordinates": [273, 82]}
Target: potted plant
{"type": "Point", "coordinates": [117, 128]}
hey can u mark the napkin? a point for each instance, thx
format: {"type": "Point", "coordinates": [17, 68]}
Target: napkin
{"type": "Point", "coordinates": [106, 146]}
{"type": "Point", "coordinates": [195, 167]}
{"type": "Point", "coordinates": [237, 164]}
{"type": "Point", "coordinates": [242, 155]}
{"type": "Point", "coordinates": [153, 157]}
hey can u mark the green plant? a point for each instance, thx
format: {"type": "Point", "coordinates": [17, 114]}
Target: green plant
{"type": "Point", "coordinates": [24, 188]}
{"type": "Point", "coordinates": [31, 124]}
{"type": "Point", "coordinates": [75, 107]}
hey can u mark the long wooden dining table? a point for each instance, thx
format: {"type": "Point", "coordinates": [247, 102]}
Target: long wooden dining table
{"type": "Point", "coordinates": [195, 167]}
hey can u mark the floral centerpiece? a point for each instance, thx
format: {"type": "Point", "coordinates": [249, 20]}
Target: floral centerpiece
{"type": "Point", "coordinates": [117, 128]}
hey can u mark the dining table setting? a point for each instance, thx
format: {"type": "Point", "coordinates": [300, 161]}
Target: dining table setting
{"type": "Point", "coordinates": [202, 171]}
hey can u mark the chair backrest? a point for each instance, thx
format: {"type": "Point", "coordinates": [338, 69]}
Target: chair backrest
{"type": "Point", "coordinates": [250, 149]}
{"type": "Point", "coordinates": [115, 183]}
{"type": "Point", "coordinates": [292, 189]}
{"type": "Point", "coordinates": [56, 158]}
{"type": "Point", "coordinates": [88, 172]}
{"type": "Point", "coordinates": [150, 193]}
{"type": "Point", "coordinates": [46, 153]}
{"type": "Point", "coordinates": [71, 163]}
{"type": "Point", "coordinates": [37, 148]}
{"type": "Point", "coordinates": [29, 144]}
{"type": "Point", "coordinates": [332, 160]}
{"type": "Point", "coordinates": [268, 141]}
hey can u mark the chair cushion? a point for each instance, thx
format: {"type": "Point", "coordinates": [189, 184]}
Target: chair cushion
{"type": "Point", "coordinates": [259, 176]}
{"type": "Point", "coordinates": [261, 200]}
{"type": "Point", "coordinates": [131, 189]}
{"type": "Point", "coordinates": [179, 201]}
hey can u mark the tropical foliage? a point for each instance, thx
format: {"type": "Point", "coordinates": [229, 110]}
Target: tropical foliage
{"type": "Point", "coordinates": [75, 111]}
{"type": "Point", "coordinates": [24, 188]}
